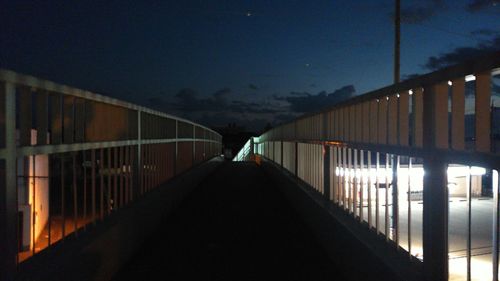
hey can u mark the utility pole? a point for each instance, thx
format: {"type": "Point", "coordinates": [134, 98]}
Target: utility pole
{"type": "Point", "coordinates": [397, 39]}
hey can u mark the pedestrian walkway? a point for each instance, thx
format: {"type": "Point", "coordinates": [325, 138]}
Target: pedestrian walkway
{"type": "Point", "coordinates": [235, 226]}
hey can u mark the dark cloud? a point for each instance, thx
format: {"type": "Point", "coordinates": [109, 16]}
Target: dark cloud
{"type": "Point", "coordinates": [299, 94]}
{"type": "Point", "coordinates": [305, 102]}
{"type": "Point", "coordinates": [410, 76]}
{"type": "Point", "coordinates": [253, 87]}
{"type": "Point", "coordinates": [461, 54]}
{"type": "Point", "coordinates": [253, 108]}
{"type": "Point", "coordinates": [478, 5]}
{"type": "Point", "coordinates": [420, 12]}
{"type": "Point", "coordinates": [485, 32]}
{"type": "Point", "coordinates": [187, 100]}
{"type": "Point", "coordinates": [221, 119]}
{"type": "Point", "coordinates": [285, 117]}
{"type": "Point", "coordinates": [221, 96]}
{"type": "Point", "coordinates": [156, 102]}
{"type": "Point", "coordinates": [312, 85]}
{"type": "Point", "coordinates": [186, 95]}
{"type": "Point", "coordinates": [223, 107]}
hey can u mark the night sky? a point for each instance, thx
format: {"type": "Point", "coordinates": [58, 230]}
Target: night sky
{"type": "Point", "coordinates": [248, 62]}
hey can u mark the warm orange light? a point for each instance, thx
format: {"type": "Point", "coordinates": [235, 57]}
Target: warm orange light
{"type": "Point", "coordinates": [334, 143]}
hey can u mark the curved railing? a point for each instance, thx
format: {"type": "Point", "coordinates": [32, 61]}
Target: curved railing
{"type": "Point", "coordinates": [416, 162]}
{"type": "Point", "coordinates": [70, 157]}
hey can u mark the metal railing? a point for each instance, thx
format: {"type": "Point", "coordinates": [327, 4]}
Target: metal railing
{"type": "Point", "coordinates": [69, 158]}
{"type": "Point", "coordinates": [416, 162]}
{"type": "Point", "coordinates": [246, 151]}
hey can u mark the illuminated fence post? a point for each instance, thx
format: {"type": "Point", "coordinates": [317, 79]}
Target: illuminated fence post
{"type": "Point", "coordinates": [281, 149]}
{"type": "Point", "coordinates": [326, 171]}
{"type": "Point", "coordinates": [296, 160]}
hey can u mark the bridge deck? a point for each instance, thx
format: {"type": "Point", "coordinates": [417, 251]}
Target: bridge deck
{"type": "Point", "coordinates": [235, 226]}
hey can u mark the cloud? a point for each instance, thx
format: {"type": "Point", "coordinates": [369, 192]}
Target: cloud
{"type": "Point", "coordinates": [410, 76]}
{"type": "Point", "coordinates": [156, 101]}
{"type": "Point", "coordinates": [420, 12]}
{"type": "Point", "coordinates": [221, 96]}
{"type": "Point", "coordinates": [188, 101]}
{"type": "Point", "coordinates": [253, 108]}
{"type": "Point", "coordinates": [186, 95]}
{"type": "Point", "coordinates": [223, 107]}
{"type": "Point", "coordinates": [299, 94]}
{"type": "Point", "coordinates": [484, 32]}
{"type": "Point", "coordinates": [478, 5]}
{"type": "Point", "coordinates": [282, 118]}
{"type": "Point", "coordinates": [461, 54]}
{"type": "Point", "coordinates": [305, 102]}
{"type": "Point", "coordinates": [253, 87]}
{"type": "Point", "coordinates": [221, 119]}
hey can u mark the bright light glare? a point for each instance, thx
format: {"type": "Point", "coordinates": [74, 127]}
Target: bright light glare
{"type": "Point", "coordinates": [243, 152]}
{"type": "Point", "coordinates": [416, 172]}
{"type": "Point", "coordinates": [495, 180]}
{"type": "Point", "coordinates": [463, 171]}
{"type": "Point", "coordinates": [363, 173]}
{"type": "Point", "coordinates": [469, 78]}
{"type": "Point", "coordinates": [481, 268]}
{"type": "Point", "coordinates": [358, 174]}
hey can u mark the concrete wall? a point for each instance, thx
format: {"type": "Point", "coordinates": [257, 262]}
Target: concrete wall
{"type": "Point", "coordinates": [99, 251]}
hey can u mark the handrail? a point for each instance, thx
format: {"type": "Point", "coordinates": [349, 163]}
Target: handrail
{"type": "Point", "coordinates": [10, 76]}
{"type": "Point", "coordinates": [468, 67]}
{"type": "Point", "coordinates": [405, 149]}
{"type": "Point", "coordinates": [104, 152]}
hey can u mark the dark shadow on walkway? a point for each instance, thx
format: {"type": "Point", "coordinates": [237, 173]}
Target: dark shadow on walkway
{"type": "Point", "coordinates": [235, 226]}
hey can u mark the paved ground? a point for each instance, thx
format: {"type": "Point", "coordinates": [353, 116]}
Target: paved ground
{"type": "Point", "coordinates": [235, 226]}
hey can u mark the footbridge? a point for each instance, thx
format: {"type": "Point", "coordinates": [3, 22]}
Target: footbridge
{"type": "Point", "coordinates": [397, 184]}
